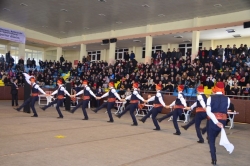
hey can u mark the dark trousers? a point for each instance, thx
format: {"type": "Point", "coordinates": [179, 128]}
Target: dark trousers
{"type": "Point", "coordinates": [205, 129]}
{"type": "Point", "coordinates": [31, 101]}
{"type": "Point", "coordinates": [175, 113]}
{"type": "Point", "coordinates": [131, 108]}
{"type": "Point", "coordinates": [214, 131]}
{"type": "Point", "coordinates": [198, 118]}
{"type": "Point", "coordinates": [109, 106]}
{"type": "Point", "coordinates": [154, 112]}
{"type": "Point", "coordinates": [14, 99]}
{"type": "Point", "coordinates": [84, 105]}
{"type": "Point", "coordinates": [58, 103]}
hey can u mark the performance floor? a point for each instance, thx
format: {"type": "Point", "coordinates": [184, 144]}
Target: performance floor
{"type": "Point", "coordinates": [47, 141]}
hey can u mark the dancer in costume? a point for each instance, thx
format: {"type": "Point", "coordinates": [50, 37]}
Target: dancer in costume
{"type": "Point", "coordinates": [158, 104]}
{"type": "Point", "coordinates": [200, 115]}
{"type": "Point", "coordinates": [179, 104]}
{"type": "Point", "coordinates": [134, 98]}
{"type": "Point", "coordinates": [87, 93]}
{"type": "Point", "coordinates": [35, 89]}
{"type": "Point", "coordinates": [112, 95]}
{"type": "Point", "coordinates": [61, 91]}
{"type": "Point", "coordinates": [217, 106]}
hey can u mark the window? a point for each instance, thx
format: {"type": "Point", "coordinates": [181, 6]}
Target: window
{"type": "Point", "coordinates": [37, 55]}
{"type": "Point", "coordinates": [95, 55]}
{"type": "Point", "coordinates": [119, 53]}
{"type": "Point", "coordinates": [184, 48]}
{"type": "Point", "coordinates": [154, 49]}
{"type": "Point", "coordinates": [3, 50]}
{"type": "Point", "coordinates": [14, 52]}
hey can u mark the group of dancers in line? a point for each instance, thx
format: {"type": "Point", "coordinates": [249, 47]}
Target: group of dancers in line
{"type": "Point", "coordinates": [213, 108]}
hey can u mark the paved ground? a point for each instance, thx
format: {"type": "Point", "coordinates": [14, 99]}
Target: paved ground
{"type": "Point", "coordinates": [26, 141]}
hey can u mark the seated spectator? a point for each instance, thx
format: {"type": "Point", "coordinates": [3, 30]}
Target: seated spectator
{"type": "Point", "coordinates": [169, 87]}
{"type": "Point", "coordinates": [230, 81]}
{"type": "Point", "coordinates": [246, 90]}
{"type": "Point", "coordinates": [210, 81]}
{"type": "Point", "coordinates": [235, 90]}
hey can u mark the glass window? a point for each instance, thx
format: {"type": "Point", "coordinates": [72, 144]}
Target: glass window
{"type": "Point", "coordinates": [33, 54]}
{"type": "Point", "coordinates": [95, 55]}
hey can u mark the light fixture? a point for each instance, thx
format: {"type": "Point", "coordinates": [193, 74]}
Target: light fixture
{"type": "Point", "coordinates": [45, 26]}
{"type": "Point", "coordinates": [63, 32]}
{"type": "Point", "coordinates": [186, 41]}
{"type": "Point", "coordinates": [137, 41]}
{"type": "Point", "coordinates": [238, 35]}
{"type": "Point", "coordinates": [64, 10]}
{"type": "Point", "coordinates": [102, 0]}
{"type": "Point", "coordinates": [178, 36]}
{"type": "Point", "coordinates": [118, 22]}
{"type": "Point", "coordinates": [161, 15]}
{"type": "Point", "coordinates": [217, 5]}
{"type": "Point", "coordinates": [102, 15]}
{"type": "Point", "coordinates": [23, 4]}
{"type": "Point", "coordinates": [230, 30]}
{"type": "Point", "coordinates": [6, 9]}
{"type": "Point", "coordinates": [145, 5]}
{"type": "Point", "coordinates": [86, 28]}
{"type": "Point", "coordinates": [68, 22]}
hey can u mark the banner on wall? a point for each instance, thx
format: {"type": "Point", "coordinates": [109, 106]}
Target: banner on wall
{"type": "Point", "coordinates": [12, 35]}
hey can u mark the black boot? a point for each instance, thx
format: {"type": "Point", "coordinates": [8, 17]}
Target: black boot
{"type": "Point", "coordinates": [213, 162]}
{"type": "Point", "coordinates": [143, 121]}
{"type": "Point", "coordinates": [184, 127]}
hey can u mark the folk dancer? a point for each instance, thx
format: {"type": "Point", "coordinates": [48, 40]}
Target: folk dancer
{"type": "Point", "coordinates": [179, 104]}
{"type": "Point", "coordinates": [200, 115]}
{"type": "Point", "coordinates": [35, 89]}
{"type": "Point", "coordinates": [112, 95]}
{"type": "Point", "coordinates": [87, 93]}
{"type": "Point", "coordinates": [217, 106]}
{"type": "Point", "coordinates": [61, 91]}
{"type": "Point", "coordinates": [134, 98]}
{"type": "Point", "coordinates": [158, 104]}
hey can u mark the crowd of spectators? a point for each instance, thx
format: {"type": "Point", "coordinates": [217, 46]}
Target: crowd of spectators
{"type": "Point", "coordinates": [230, 65]}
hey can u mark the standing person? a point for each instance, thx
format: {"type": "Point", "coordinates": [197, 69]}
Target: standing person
{"type": "Point", "coordinates": [134, 98]}
{"type": "Point", "coordinates": [158, 104]}
{"type": "Point", "coordinates": [112, 95]}
{"type": "Point", "coordinates": [217, 106]}
{"type": "Point", "coordinates": [14, 92]}
{"type": "Point", "coordinates": [62, 59]}
{"type": "Point", "coordinates": [200, 113]}
{"type": "Point", "coordinates": [99, 93]}
{"type": "Point", "coordinates": [35, 89]}
{"type": "Point", "coordinates": [179, 104]}
{"type": "Point", "coordinates": [87, 93]}
{"type": "Point", "coordinates": [61, 91]}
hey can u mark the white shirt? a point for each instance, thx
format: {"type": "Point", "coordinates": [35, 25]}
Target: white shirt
{"type": "Point", "coordinates": [113, 91]}
{"type": "Point", "coordinates": [87, 89]}
{"type": "Point", "coordinates": [158, 94]}
{"type": "Point", "coordinates": [27, 78]}
{"type": "Point", "coordinates": [135, 92]}
{"type": "Point", "coordinates": [62, 89]}
{"type": "Point", "coordinates": [208, 109]}
{"type": "Point", "coordinates": [200, 99]}
{"type": "Point", "coordinates": [183, 101]}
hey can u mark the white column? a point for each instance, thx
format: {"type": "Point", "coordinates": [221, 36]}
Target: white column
{"type": "Point", "coordinates": [8, 47]}
{"type": "Point", "coordinates": [132, 49]}
{"type": "Point", "coordinates": [103, 54]}
{"type": "Point", "coordinates": [208, 44]}
{"type": "Point", "coordinates": [164, 47]}
{"type": "Point", "coordinates": [58, 53]}
{"type": "Point", "coordinates": [21, 51]}
{"type": "Point", "coordinates": [148, 49]}
{"type": "Point", "coordinates": [83, 52]}
{"type": "Point", "coordinates": [195, 44]}
{"type": "Point", "coordinates": [111, 56]}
